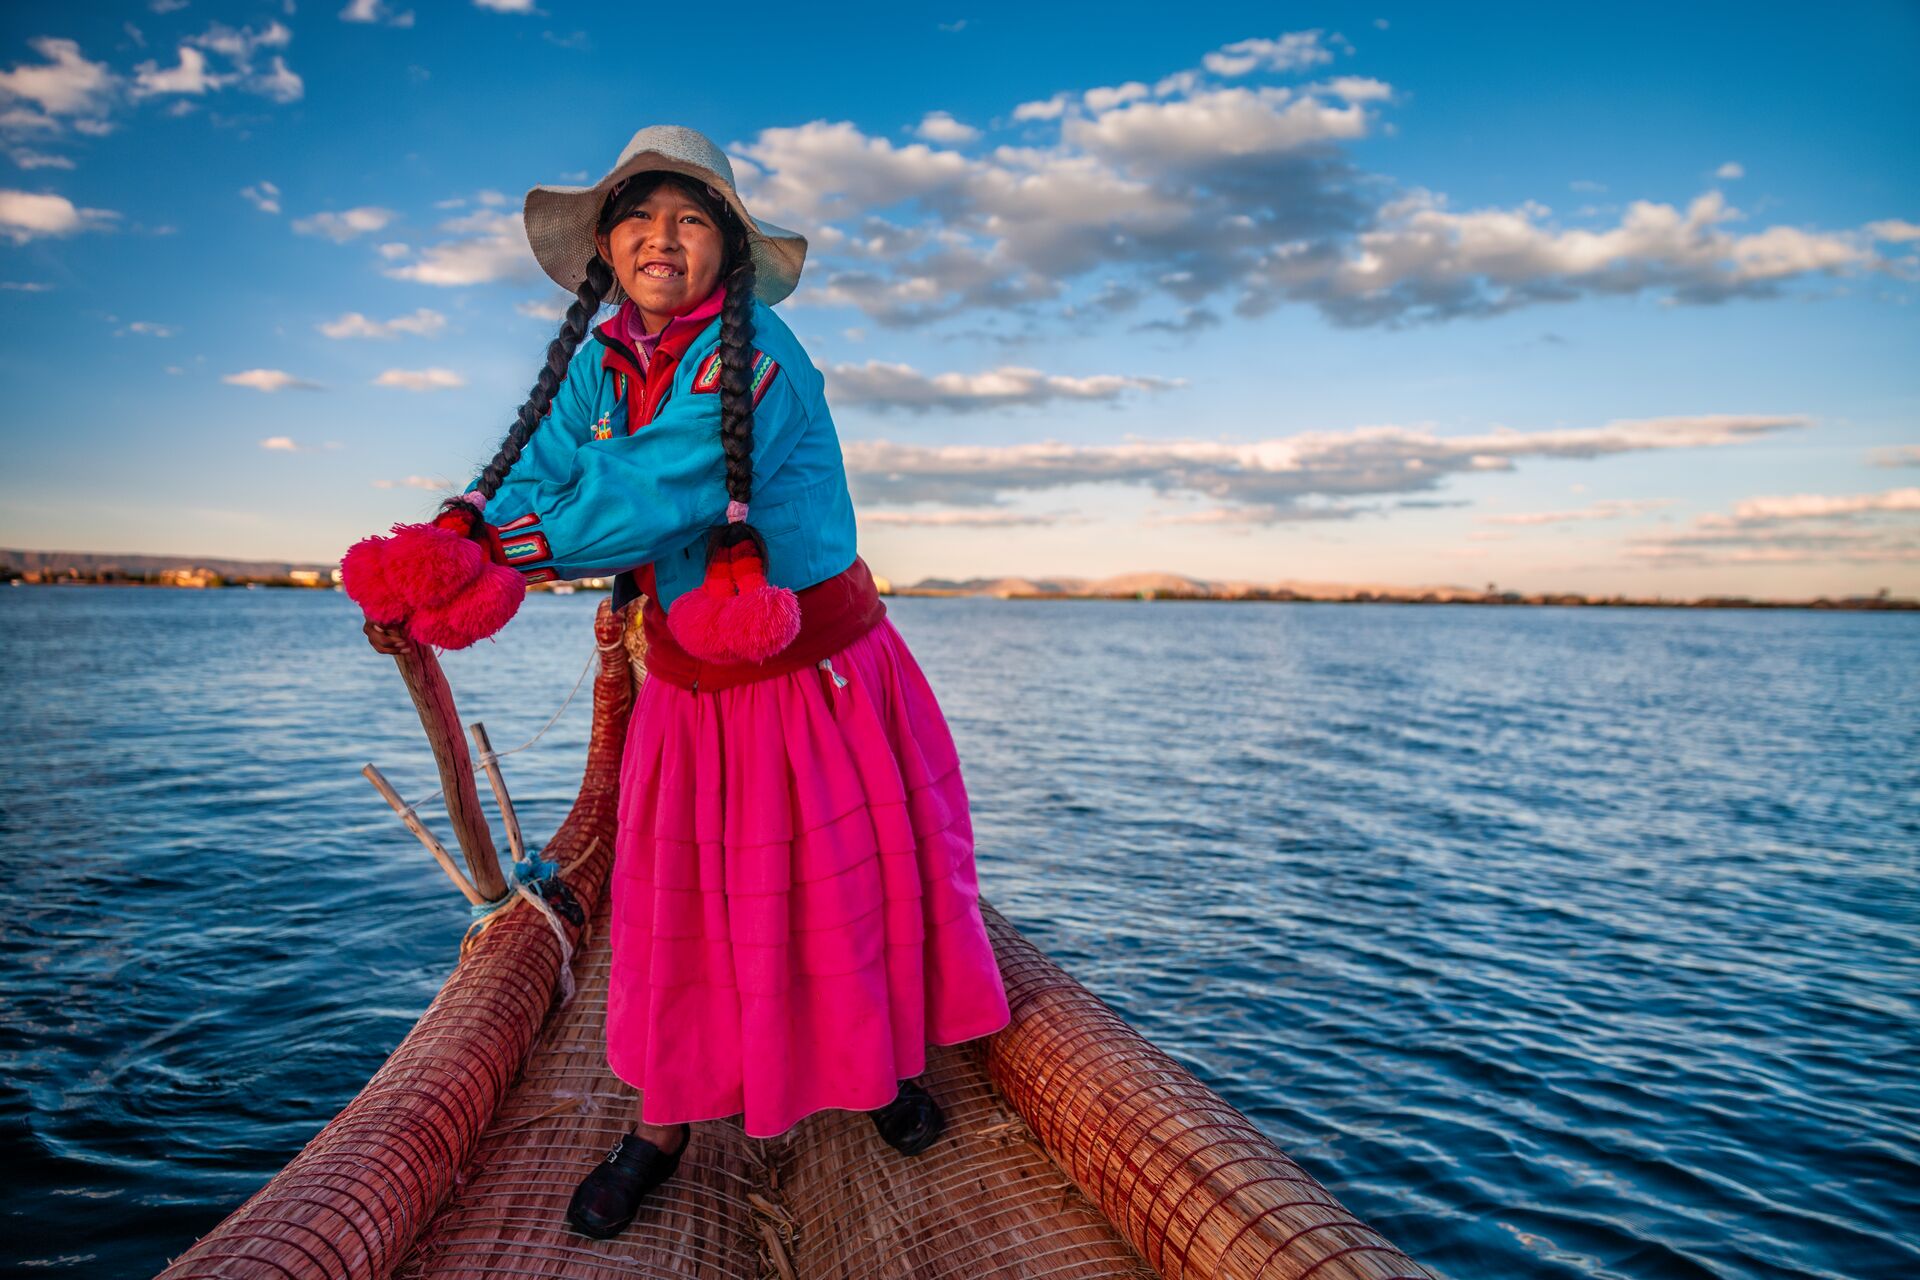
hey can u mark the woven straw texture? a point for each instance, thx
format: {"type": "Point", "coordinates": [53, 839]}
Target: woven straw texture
{"type": "Point", "coordinates": [1074, 1149]}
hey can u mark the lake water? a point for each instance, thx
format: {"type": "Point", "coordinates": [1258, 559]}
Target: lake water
{"type": "Point", "coordinates": [1555, 942]}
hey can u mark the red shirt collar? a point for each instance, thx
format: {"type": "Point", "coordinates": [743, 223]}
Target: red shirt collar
{"type": "Point", "coordinates": [676, 336]}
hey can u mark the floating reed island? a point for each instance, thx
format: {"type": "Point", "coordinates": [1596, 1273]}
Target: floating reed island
{"type": "Point", "coordinates": [1074, 1149]}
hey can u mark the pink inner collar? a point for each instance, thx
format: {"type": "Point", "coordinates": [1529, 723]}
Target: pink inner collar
{"type": "Point", "coordinates": [626, 325]}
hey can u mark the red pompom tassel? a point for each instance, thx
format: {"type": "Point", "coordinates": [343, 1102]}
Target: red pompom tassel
{"type": "Point", "coordinates": [735, 614]}
{"type": "Point", "coordinates": [447, 586]}
{"type": "Point", "coordinates": [486, 604]}
{"type": "Point", "coordinates": [363, 576]}
{"type": "Point", "coordinates": [762, 619]}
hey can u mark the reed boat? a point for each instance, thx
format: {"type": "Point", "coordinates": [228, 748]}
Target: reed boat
{"type": "Point", "coordinates": [1074, 1148]}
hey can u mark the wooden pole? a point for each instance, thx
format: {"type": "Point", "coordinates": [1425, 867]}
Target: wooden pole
{"type": "Point", "coordinates": [419, 828]}
{"type": "Point", "coordinates": [433, 699]}
{"type": "Point", "coordinates": [491, 764]}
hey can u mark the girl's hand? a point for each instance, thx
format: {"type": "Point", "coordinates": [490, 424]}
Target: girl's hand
{"type": "Point", "coordinates": [391, 640]}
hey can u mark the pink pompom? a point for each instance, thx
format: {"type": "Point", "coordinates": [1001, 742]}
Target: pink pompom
{"type": "Point", "coordinates": [363, 575]}
{"type": "Point", "coordinates": [694, 620]}
{"type": "Point", "coordinates": [760, 621]}
{"type": "Point", "coordinates": [487, 604]}
{"type": "Point", "coordinates": [428, 566]}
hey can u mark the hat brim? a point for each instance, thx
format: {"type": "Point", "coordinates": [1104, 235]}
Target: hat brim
{"type": "Point", "coordinates": [560, 224]}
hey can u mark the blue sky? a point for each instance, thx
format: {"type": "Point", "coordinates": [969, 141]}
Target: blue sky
{"type": "Point", "coordinates": [1605, 301]}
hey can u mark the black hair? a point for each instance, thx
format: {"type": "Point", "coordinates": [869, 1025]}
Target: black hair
{"type": "Point", "coordinates": [736, 347]}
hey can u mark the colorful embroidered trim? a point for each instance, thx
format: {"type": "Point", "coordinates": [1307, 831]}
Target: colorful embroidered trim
{"type": "Point", "coordinates": [708, 377]}
{"type": "Point", "coordinates": [763, 370]}
{"type": "Point", "coordinates": [522, 523]}
{"type": "Point", "coordinates": [530, 546]}
{"type": "Point", "coordinates": [764, 367]}
{"type": "Point", "coordinates": [539, 575]}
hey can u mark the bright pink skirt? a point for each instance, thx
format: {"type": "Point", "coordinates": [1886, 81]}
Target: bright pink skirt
{"type": "Point", "coordinates": [795, 909]}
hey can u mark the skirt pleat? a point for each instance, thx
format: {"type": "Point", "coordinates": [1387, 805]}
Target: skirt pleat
{"type": "Point", "coordinates": [795, 910]}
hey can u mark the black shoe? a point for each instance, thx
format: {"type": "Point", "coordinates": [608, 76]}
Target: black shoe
{"type": "Point", "coordinates": [911, 1122]}
{"type": "Point", "coordinates": [607, 1199]}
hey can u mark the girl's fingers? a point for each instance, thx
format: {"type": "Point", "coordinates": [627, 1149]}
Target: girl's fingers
{"type": "Point", "coordinates": [385, 639]}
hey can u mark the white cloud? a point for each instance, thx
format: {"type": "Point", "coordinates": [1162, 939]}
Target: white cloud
{"type": "Point", "coordinates": [1730, 171]}
{"type": "Point", "coordinates": [1226, 193]}
{"type": "Point", "coordinates": [1231, 122]}
{"type": "Point", "coordinates": [939, 126]}
{"type": "Point", "coordinates": [344, 226]}
{"type": "Point", "coordinates": [189, 76]}
{"type": "Point", "coordinates": [278, 82]}
{"type": "Point", "coordinates": [147, 328]}
{"type": "Point", "coordinates": [26, 286]}
{"type": "Point", "coordinates": [425, 323]}
{"type": "Point", "coordinates": [1803, 528]}
{"type": "Point", "coordinates": [1818, 506]}
{"type": "Point", "coordinates": [27, 215]}
{"type": "Point", "coordinates": [554, 310]}
{"type": "Point", "coordinates": [1044, 109]}
{"type": "Point", "coordinates": [193, 74]}
{"type": "Point", "coordinates": [1291, 52]}
{"type": "Point", "coordinates": [432, 483]}
{"type": "Point", "coordinates": [263, 196]}
{"type": "Point", "coordinates": [497, 252]}
{"type": "Point", "coordinates": [881, 386]}
{"type": "Point", "coordinates": [66, 84]}
{"type": "Point", "coordinates": [1606, 509]}
{"type": "Point", "coordinates": [420, 379]}
{"type": "Point", "coordinates": [269, 380]}
{"type": "Point", "coordinates": [1309, 475]}
{"type": "Point", "coordinates": [27, 159]}
{"type": "Point", "coordinates": [1899, 455]}
{"type": "Point", "coordinates": [375, 11]}
{"type": "Point", "coordinates": [961, 519]}
{"type": "Point", "coordinates": [506, 6]}
{"type": "Point", "coordinates": [287, 444]}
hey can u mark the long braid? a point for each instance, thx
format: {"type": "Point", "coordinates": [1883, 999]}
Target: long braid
{"type": "Point", "coordinates": [736, 380]}
{"type": "Point", "coordinates": [573, 331]}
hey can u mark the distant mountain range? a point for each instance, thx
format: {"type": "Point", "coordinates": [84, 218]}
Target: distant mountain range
{"type": "Point", "coordinates": [1176, 584]}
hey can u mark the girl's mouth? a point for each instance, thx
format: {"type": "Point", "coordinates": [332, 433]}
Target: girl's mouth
{"type": "Point", "coordinates": [661, 271]}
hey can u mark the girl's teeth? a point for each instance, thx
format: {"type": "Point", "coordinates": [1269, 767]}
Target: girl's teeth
{"type": "Point", "coordinates": [659, 272]}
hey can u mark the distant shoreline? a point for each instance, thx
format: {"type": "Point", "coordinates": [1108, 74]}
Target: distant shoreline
{"type": "Point", "coordinates": [1504, 599]}
{"type": "Point", "coordinates": [1867, 604]}
{"type": "Point", "coordinates": [201, 573]}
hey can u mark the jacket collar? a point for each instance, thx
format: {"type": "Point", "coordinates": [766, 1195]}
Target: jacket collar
{"type": "Point", "coordinates": [622, 333]}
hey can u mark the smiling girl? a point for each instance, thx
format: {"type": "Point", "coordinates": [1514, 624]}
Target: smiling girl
{"type": "Point", "coordinates": [794, 902]}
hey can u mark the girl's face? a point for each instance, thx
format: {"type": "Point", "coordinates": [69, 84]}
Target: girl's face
{"type": "Point", "coordinates": [666, 253]}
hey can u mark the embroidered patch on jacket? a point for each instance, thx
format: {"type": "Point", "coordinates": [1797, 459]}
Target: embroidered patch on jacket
{"type": "Point", "coordinates": [524, 522]}
{"type": "Point", "coordinates": [539, 575]}
{"type": "Point", "coordinates": [526, 548]}
{"type": "Point", "coordinates": [707, 379]}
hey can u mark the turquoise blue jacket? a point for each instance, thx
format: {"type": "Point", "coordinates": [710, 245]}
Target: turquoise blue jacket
{"type": "Point", "coordinates": [588, 500]}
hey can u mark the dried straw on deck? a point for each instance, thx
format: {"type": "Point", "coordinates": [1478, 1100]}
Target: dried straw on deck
{"type": "Point", "coordinates": [458, 1158]}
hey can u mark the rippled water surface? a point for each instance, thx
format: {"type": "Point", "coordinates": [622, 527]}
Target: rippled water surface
{"type": "Point", "coordinates": [1556, 942]}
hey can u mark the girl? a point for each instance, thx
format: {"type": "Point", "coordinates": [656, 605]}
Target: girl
{"type": "Point", "coordinates": [794, 904]}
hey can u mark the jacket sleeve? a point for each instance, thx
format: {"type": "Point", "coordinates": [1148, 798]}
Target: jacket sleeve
{"type": "Point", "coordinates": [566, 426]}
{"type": "Point", "coordinates": [615, 504]}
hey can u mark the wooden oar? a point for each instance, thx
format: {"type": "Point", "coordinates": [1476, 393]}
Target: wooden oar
{"type": "Point", "coordinates": [433, 699]}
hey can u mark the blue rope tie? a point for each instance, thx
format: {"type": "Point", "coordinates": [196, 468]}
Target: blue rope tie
{"type": "Point", "coordinates": [533, 873]}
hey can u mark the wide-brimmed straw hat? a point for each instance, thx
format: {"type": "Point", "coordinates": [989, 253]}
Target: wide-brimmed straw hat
{"type": "Point", "coordinates": [560, 220]}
